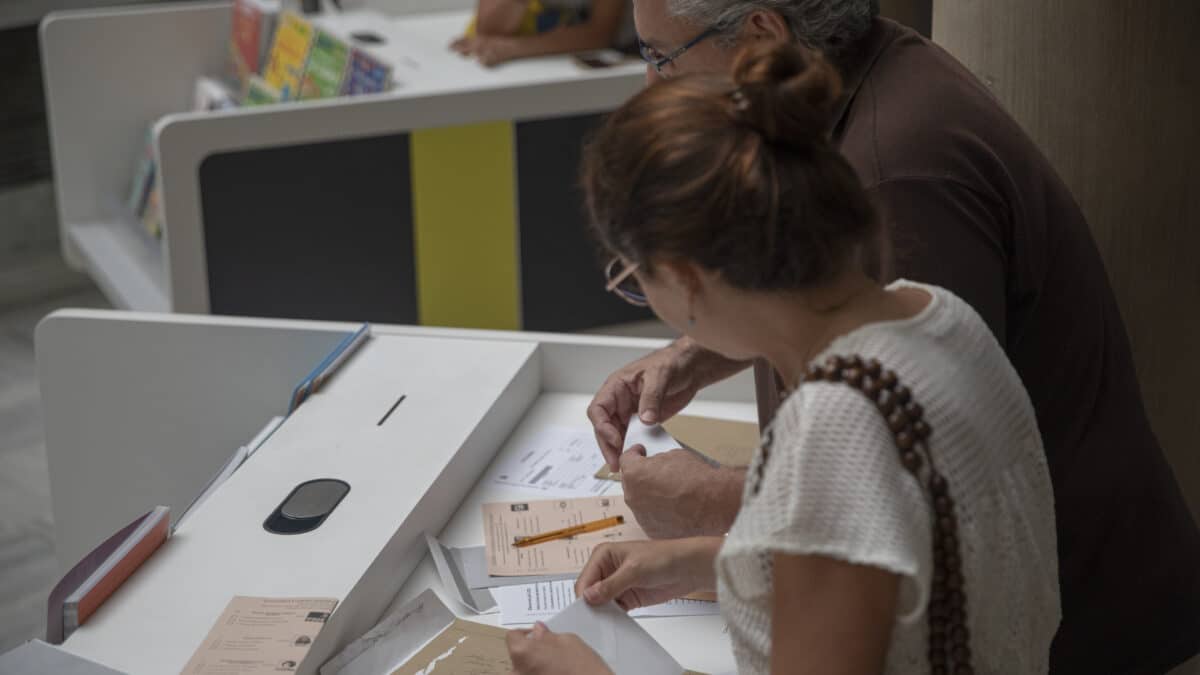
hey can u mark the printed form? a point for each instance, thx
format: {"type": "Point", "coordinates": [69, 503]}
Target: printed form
{"type": "Point", "coordinates": [505, 522]}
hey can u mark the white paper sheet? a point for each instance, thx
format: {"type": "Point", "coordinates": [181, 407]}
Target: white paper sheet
{"type": "Point", "coordinates": [560, 461]}
{"type": "Point", "coordinates": [527, 603]}
{"type": "Point", "coordinates": [624, 645]}
{"type": "Point", "coordinates": [654, 438]}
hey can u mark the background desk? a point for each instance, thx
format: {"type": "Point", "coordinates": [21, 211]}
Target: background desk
{"type": "Point", "coordinates": [450, 201]}
{"type": "Point", "coordinates": [141, 409]}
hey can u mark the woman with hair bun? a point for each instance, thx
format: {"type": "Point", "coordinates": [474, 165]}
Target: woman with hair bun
{"type": "Point", "coordinates": [898, 516]}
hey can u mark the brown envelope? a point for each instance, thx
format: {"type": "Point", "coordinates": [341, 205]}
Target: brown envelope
{"type": "Point", "coordinates": [463, 648]}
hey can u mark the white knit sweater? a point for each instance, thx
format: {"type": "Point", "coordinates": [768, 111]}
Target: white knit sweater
{"type": "Point", "coordinates": [834, 486]}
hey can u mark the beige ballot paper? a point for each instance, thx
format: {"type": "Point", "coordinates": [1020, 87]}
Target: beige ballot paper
{"type": "Point", "coordinates": [463, 648]}
{"type": "Point", "coordinates": [260, 635]}
{"type": "Point", "coordinates": [505, 522]}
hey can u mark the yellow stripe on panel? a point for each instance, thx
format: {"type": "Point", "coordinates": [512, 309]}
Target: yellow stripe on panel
{"type": "Point", "coordinates": [465, 226]}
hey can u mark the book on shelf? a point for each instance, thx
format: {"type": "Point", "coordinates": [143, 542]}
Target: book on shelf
{"type": "Point", "coordinates": [258, 92]}
{"type": "Point", "coordinates": [328, 62]}
{"type": "Point", "coordinates": [101, 572]}
{"type": "Point", "coordinates": [366, 75]}
{"type": "Point", "coordinates": [252, 28]}
{"type": "Point", "coordinates": [143, 178]}
{"type": "Point", "coordinates": [289, 55]}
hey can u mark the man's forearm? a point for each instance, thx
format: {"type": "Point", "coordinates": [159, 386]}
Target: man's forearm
{"type": "Point", "coordinates": [710, 367]}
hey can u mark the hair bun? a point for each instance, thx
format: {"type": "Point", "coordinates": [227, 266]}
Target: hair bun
{"type": "Point", "coordinates": [786, 92]}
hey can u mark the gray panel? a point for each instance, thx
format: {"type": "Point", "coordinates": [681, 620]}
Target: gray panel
{"type": "Point", "coordinates": [314, 231]}
{"type": "Point", "coordinates": [562, 281]}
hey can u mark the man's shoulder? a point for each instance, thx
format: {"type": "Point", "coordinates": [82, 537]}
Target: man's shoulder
{"type": "Point", "coordinates": [919, 113]}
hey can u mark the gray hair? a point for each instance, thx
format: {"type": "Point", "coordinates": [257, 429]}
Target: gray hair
{"type": "Point", "coordinates": [828, 25]}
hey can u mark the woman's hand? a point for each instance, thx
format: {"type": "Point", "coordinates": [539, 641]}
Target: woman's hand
{"type": "Point", "coordinates": [542, 652]}
{"type": "Point", "coordinates": [643, 573]}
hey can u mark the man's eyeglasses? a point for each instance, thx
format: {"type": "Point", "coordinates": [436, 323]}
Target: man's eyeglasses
{"type": "Point", "coordinates": [658, 60]}
{"type": "Point", "coordinates": [622, 282]}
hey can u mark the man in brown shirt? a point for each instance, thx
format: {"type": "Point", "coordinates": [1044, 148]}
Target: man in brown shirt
{"type": "Point", "coordinates": [973, 206]}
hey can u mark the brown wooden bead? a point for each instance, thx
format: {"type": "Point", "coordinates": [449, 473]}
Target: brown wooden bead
{"type": "Point", "coordinates": [960, 653]}
{"type": "Point", "coordinates": [903, 395]}
{"type": "Point", "coordinates": [946, 524]}
{"type": "Point", "coordinates": [835, 362]}
{"type": "Point", "coordinates": [897, 421]}
{"type": "Point", "coordinates": [939, 670]}
{"type": "Point", "coordinates": [921, 429]}
{"type": "Point", "coordinates": [873, 368]}
{"type": "Point", "coordinates": [888, 379]}
{"type": "Point", "coordinates": [814, 373]}
{"type": "Point", "coordinates": [853, 377]}
{"type": "Point", "coordinates": [963, 669]}
{"type": "Point", "coordinates": [886, 402]}
{"type": "Point", "coordinates": [914, 410]}
{"type": "Point", "coordinates": [905, 441]}
{"type": "Point", "coordinates": [943, 504]}
{"type": "Point", "coordinates": [854, 361]}
{"type": "Point", "coordinates": [872, 388]}
{"type": "Point", "coordinates": [937, 484]}
{"type": "Point", "coordinates": [911, 460]}
{"type": "Point", "coordinates": [954, 581]}
{"type": "Point", "coordinates": [959, 634]}
{"type": "Point", "coordinates": [956, 616]}
{"type": "Point", "coordinates": [949, 542]}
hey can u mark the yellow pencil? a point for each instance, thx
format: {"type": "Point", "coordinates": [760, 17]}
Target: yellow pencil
{"type": "Point", "coordinates": [569, 531]}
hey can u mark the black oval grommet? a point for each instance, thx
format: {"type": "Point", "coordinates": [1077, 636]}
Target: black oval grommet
{"type": "Point", "coordinates": [306, 506]}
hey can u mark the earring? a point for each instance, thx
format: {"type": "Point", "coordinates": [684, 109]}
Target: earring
{"type": "Point", "coordinates": [691, 311]}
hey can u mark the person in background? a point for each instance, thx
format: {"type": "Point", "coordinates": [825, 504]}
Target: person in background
{"type": "Point", "coordinates": [505, 30]}
{"type": "Point", "coordinates": [973, 206]}
{"type": "Point", "coordinates": [898, 517]}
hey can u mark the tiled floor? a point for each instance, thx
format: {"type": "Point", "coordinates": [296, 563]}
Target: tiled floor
{"type": "Point", "coordinates": [27, 562]}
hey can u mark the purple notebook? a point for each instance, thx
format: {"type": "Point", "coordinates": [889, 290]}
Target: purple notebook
{"type": "Point", "coordinates": [79, 574]}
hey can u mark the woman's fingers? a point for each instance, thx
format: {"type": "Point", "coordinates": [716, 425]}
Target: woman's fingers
{"type": "Point", "coordinates": [624, 577]}
{"type": "Point", "coordinates": [603, 561]}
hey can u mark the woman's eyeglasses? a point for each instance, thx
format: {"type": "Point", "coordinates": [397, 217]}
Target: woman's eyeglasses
{"type": "Point", "coordinates": [658, 60]}
{"type": "Point", "coordinates": [622, 282]}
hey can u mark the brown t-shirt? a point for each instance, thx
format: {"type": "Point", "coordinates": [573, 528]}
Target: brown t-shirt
{"type": "Point", "coordinates": [974, 206]}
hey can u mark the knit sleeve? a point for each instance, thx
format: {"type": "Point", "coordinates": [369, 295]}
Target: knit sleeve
{"type": "Point", "coordinates": [832, 485]}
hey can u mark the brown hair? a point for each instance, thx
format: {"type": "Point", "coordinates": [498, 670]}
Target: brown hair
{"type": "Point", "coordinates": [737, 174]}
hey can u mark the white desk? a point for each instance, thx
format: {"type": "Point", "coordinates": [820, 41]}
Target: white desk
{"type": "Point", "coordinates": [110, 74]}
{"type": "Point", "coordinates": [476, 394]}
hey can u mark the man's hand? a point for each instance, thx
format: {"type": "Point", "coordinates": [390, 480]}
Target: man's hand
{"type": "Point", "coordinates": [654, 388]}
{"type": "Point", "coordinates": [643, 573]}
{"type": "Point", "coordinates": [678, 494]}
{"type": "Point", "coordinates": [542, 652]}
